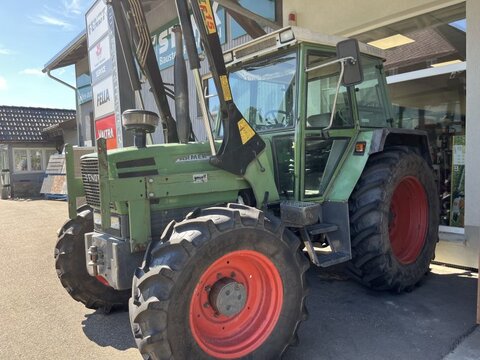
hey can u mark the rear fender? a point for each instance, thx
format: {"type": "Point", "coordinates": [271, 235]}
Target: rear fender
{"type": "Point", "coordinates": [382, 139]}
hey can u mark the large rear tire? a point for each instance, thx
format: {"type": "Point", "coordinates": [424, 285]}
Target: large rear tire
{"type": "Point", "coordinates": [224, 283]}
{"type": "Point", "coordinates": [71, 269]}
{"type": "Point", "coordinates": [394, 217]}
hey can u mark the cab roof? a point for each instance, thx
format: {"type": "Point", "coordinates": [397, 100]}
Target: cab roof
{"type": "Point", "coordinates": [290, 36]}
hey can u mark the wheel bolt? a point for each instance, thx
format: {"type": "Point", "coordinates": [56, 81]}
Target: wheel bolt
{"type": "Point", "coordinates": [208, 288]}
{"type": "Point", "coordinates": [206, 305]}
{"type": "Point", "coordinates": [219, 275]}
{"type": "Point", "coordinates": [233, 274]}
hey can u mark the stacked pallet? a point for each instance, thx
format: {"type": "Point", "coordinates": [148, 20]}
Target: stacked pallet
{"type": "Point", "coordinates": [55, 183]}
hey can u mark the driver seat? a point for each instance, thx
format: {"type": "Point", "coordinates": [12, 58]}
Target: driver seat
{"type": "Point", "coordinates": [323, 120]}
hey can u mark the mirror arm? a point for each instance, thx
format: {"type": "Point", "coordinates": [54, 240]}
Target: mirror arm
{"type": "Point", "coordinates": [332, 115]}
{"type": "Point", "coordinates": [342, 61]}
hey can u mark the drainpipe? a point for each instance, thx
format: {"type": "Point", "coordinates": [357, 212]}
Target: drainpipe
{"type": "Point", "coordinates": [60, 81]}
{"type": "Point", "coordinates": [80, 143]}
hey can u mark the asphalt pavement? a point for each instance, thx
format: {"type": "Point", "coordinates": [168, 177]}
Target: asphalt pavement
{"type": "Point", "coordinates": [38, 319]}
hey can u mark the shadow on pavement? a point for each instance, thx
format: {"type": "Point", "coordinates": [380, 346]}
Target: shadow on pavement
{"type": "Point", "coordinates": [348, 321]}
{"type": "Point", "coordinates": [109, 330]}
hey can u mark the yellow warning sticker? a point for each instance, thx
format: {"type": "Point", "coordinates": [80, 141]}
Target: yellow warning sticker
{"type": "Point", "coordinates": [226, 88]}
{"type": "Point", "coordinates": [208, 19]}
{"type": "Point", "coordinates": [246, 131]}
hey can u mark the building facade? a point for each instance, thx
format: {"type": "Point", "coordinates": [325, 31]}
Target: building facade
{"type": "Point", "coordinates": [28, 136]}
{"type": "Point", "coordinates": [430, 49]}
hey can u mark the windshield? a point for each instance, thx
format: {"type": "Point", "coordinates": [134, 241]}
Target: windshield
{"type": "Point", "coordinates": [264, 92]}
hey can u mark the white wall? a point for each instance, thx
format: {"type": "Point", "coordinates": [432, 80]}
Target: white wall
{"type": "Point", "coordinates": [468, 251]}
{"type": "Point", "coordinates": [349, 17]}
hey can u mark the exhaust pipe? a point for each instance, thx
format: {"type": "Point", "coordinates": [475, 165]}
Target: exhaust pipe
{"type": "Point", "coordinates": [181, 90]}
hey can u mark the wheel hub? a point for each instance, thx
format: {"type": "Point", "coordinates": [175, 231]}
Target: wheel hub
{"type": "Point", "coordinates": [236, 304]}
{"type": "Point", "coordinates": [228, 297]}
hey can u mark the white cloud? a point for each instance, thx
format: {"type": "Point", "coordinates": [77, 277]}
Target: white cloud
{"type": "Point", "coordinates": [51, 20]}
{"type": "Point", "coordinates": [5, 51]}
{"type": "Point", "coordinates": [62, 15]}
{"type": "Point", "coordinates": [73, 6]}
{"type": "Point", "coordinates": [3, 83]}
{"type": "Point", "coordinates": [32, 71]}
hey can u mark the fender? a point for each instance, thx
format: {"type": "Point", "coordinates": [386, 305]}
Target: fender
{"type": "Point", "coordinates": [388, 137]}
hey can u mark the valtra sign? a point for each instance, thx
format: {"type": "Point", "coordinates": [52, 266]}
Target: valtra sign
{"type": "Point", "coordinates": [106, 129]}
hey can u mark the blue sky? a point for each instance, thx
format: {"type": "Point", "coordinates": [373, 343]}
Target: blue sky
{"type": "Point", "coordinates": [31, 33]}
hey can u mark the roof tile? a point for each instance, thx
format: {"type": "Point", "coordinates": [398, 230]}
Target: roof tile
{"type": "Point", "coordinates": [25, 124]}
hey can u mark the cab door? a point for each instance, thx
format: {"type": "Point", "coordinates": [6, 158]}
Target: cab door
{"type": "Point", "coordinates": [324, 137]}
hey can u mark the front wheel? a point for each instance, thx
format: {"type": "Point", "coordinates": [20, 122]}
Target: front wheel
{"type": "Point", "coordinates": [227, 284]}
{"type": "Point", "coordinates": [394, 215]}
{"type": "Point", "coordinates": [70, 264]}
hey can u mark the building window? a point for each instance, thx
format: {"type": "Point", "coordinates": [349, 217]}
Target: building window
{"type": "Point", "coordinates": [265, 8]}
{"type": "Point", "coordinates": [36, 160]}
{"type": "Point", "coordinates": [20, 160]}
{"type": "Point", "coordinates": [426, 75]}
{"type": "Point", "coordinates": [31, 160]}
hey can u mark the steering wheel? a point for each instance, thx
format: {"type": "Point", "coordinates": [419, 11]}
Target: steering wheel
{"type": "Point", "coordinates": [271, 117]}
{"type": "Point", "coordinates": [343, 115]}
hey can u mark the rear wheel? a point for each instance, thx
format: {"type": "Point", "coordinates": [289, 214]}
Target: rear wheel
{"type": "Point", "coordinates": [70, 264]}
{"type": "Point", "coordinates": [226, 284]}
{"type": "Point", "coordinates": [394, 215]}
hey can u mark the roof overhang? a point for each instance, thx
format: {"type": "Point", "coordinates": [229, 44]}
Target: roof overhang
{"type": "Point", "coordinates": [75, 51]}
{"type": "Point", "coordinates": [57, 129]}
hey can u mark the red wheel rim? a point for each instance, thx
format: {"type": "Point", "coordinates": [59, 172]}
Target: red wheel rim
{"type": "Point", "coordinates": [102, 280]}
{"type": "Point", "coordinates": [228, 337]}
{"type": "Point", "coordinates": [408, 220]}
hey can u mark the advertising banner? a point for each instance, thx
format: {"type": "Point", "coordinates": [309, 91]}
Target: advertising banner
{"type": "Point", "coordinates": [103, 98]}
{"type": "Point", "coordinates": [97, 23]}
{"type": "Point", "coordinates": [84, 94]}
{"type": "Point", "coordinates": [164, 39]}
{"type": "Point", "coordinates": [100, 59]}
{"type": "Point", "coordinates": [106, 128]}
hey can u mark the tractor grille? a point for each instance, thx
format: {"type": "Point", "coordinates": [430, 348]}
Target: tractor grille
{"type": "Point", "coordinates": [90, 180]}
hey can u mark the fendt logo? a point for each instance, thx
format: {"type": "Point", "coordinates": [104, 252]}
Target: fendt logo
{"type": "Point", "coordinates": [92, 178]}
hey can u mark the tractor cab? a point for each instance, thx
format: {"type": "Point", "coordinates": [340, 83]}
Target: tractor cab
{"type": "Point", "coordinates": [307, 100]}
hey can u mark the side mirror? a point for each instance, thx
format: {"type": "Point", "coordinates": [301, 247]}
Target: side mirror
{"type": "Point", "coordinates": [353, 73]}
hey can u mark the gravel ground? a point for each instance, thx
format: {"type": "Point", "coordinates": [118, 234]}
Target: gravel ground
{"type": "Point", "coordinates": [38, 319]}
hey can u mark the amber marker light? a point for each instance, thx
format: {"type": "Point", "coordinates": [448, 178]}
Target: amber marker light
{"type": "Point", "coordinates": [360, 147]}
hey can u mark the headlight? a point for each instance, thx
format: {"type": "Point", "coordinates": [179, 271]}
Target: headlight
{"type": "Point", "coordinates": [287, 36]}
{"type": "Point", "coordinates": [114, 221]}
{"type": "Point", "coordinates": [228, 57]}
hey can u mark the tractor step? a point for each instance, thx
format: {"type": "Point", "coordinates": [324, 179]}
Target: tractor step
{"type": "Point", "coordinates": [325, 260]}
{"type": "Point", "coordinates": [318, 229]}
{"type": "Point", "coordinates": [299, 213]}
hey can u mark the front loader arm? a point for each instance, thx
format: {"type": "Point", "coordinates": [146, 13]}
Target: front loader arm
{"type": "Point", "coordinates": [145, 55]}
{"type": "Point", "coordinates": [241, 144]}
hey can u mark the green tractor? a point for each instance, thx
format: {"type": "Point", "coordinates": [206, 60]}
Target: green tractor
{"type": "Point", "coordinates": [208, 243]}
